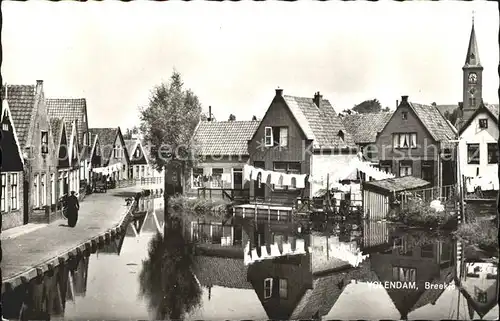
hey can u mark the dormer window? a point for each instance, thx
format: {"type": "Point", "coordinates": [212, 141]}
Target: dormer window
{"type": "Point", "coordinates": [404, 115]}
{"type": "Point", "coordinates": [137, 153]}
{"type": "Point", "coordinates": [483, 123]}
{"type": "Point", "coordinates": [341, 135]}
{"type": "Point", "coordinates": [45, 142]}
{"type": "Point", "coordinates": [118, 152]}
{"type": "Point", "coordinates": [5, 127]}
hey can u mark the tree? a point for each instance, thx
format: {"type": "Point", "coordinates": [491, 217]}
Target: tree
{"type": "Point", "coordinates": [129, 132]}
{"type": "Point", "coordinates": [386, 109]}
{"type": "Point", "coordinates": [254, 118]}
{"type": "Point", "coordinates": [452, 117]}
{"type": "Point", "coordinates": [232, 117]}
{"type": "Point", "coordinates": [168, 122]}
{"type": "Point", "coordinates": [368, 106]}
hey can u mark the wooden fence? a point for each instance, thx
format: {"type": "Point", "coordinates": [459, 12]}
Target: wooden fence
{"type": "Point", "coordinates": [427, 195]}
{"type": "Point", "coordinates": [233, 195]}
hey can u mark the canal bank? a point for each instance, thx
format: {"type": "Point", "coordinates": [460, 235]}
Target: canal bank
{"type": "Point", "coordinates": [101, 218]}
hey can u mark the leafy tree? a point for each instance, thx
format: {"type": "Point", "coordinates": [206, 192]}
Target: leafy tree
{"type": "Point", "coordinates": [129, 132]}
{"type": "Point", "coordinates": [452, 117]}
{"type": "Point", "coordinates": [386, 109]}
{"type": "Point", "coordinates": [368, 106]}
{"type": "Point", "coordinates": [169, 120]}
{"type": "Point", "coordinates": [232, 117]}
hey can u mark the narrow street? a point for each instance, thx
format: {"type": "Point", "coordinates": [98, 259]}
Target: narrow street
{"type": "Point", "coordinates": [98, 213]}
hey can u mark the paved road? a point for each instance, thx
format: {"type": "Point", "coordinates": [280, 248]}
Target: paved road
{"type": "Point", "coordinates": [98, 213]}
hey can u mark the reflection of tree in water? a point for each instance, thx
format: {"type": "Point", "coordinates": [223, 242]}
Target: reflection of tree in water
{"type": "Point", "coordinates": [166, 278]}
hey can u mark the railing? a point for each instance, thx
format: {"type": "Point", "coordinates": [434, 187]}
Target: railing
{"type": "Point", "coordinates": [149, 181]}
{"type": "Point", "coordinates": [427, 195]}
{"type": "Point", "coordinates": [306, 204]}
{"type": "Point", "coordinates": [233, 195]}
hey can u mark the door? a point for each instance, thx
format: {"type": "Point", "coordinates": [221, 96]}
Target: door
{"type": "Point", "coordinates": [238, 183]}
{"type": "Point", "coordinates": [259, 189]}
{"type": "Point", "coordinates": [428, 171]}
{"type": "Point", "coordinates": [26, 202]}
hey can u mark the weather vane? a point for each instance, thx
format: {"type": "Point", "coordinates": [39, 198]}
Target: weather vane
{"type": "Point", "coordinates": [473, 12]}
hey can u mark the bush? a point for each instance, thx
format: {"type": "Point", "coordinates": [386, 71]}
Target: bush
{"type": "Point", "coordinates": [419, 213]}
{"type": "Point", "coordinates": [199, 206]}
{"type": "Point", "coordinates": [481, 233]}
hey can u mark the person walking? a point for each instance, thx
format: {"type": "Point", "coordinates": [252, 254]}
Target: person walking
{"type": "Point", "coordinates": [73, 208]}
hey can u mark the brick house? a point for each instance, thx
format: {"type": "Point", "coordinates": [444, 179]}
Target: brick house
{"type": "Point", "coordinates": [364, 129]}
{"type": "Point", "coordinates": [113, 151]}
{"type": "Point", "coordinates": [74, 110]}
{"type": "Point", "coordinates": [223, 149]}
{"type": "Point", "coordinates": [298, 135]}
{"type": "Point", "coordinates": [30, 118]}
{"type": "Point", "coordinates": [12, 172]}
{"type": "Point", "coordinates": [74, 157]}
{"type": "Point", "coordinates": [416, 141]}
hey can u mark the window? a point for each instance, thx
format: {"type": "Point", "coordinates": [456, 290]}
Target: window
{"type": "Point", "coordinates": [118, 152]}
{"type": "Point", "coordinates": [405, 168]}
{"type": "Point", "coordinates": [473, 153]}
{"type": "Point", "coordinates": [137, 153]}
{"type": "Point", "coordinates": [428, 171]}
{"type": "Point", "coordinates": [44, 190]}
{"type": "Point", "coordinates": [493, 153]}
{"type": "Point", "coordinates": [283, 137]}
{"type": "Point", "coordinates": [268, 136]}
{"type": "Point", "coordinates": [287, 168]}
{"type": "Point", "coordinates": [283, 289]}
{"type": "Point", "coordinates": [482, 297]}
{"type": "Point", "coordinates": [268, 288]}
{"type": "Point", "coordinates": [427, 251]}
{"type": "Point", "coordinates": [85, 141]}
{"type": "Point", "coordinates": [386, 166]}
{"type": "Point", "coordinates": [370, 152]}
{"type": "Point", "coordinates": [52, 189]}
{"type": "Point", "coordinates": [472, 101]}
{"type": "Point", "coordinates": [404, 115]}
{"type": "Point", "coordinates": [217, 177]}
{"type": "Point", "coordinates": [405, 140]}
{"type": "Point", "coordinates": [36, 191]}
{"type": "Point", "coordinates": [340, 134]}
{"type": "Point", "coordinates": [142, 171]}
{"type": "Point", "coordinates": [197, 177]}
{"type": "Point", "coordinates": [5, 127]}
{"type": "Point", "coordinates": [45, 142]}
{"type": "Point", "coordinates": [136, 171]}
{"type": "Point", "coordinates": [403, 274]}
{"type": "Point", "coordinates": [14, 201]}
{"type": "Point", "coordinates": [483, 123]}
{"type": "Point", "coordinates": [4, 192]}
{"type": "Point", "coordinates": [97, 150]}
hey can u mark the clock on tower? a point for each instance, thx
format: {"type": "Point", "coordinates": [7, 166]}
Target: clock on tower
{"type": "Point", "coordinates": [472, 78]}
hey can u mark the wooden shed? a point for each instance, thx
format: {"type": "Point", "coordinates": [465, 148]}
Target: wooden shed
{"type": "Point", "coordinates": [378, 195]}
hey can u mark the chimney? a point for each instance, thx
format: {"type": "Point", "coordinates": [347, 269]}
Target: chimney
{"type": "Point", "coordinates": [279, 92]}
{"type": "Point", "coordinates": [404, 99]}
{"type": "Point", "coordinates": [317, 99]}
{"type": "Point", "coordinates": [209, 113]}
{"type": "Point", "coordinates": [39, 86]}
{"type": "Point", "coordinates": [397, 103]}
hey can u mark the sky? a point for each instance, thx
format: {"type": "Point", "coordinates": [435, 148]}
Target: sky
{"type": "Point", "coordinates": [233, 55]}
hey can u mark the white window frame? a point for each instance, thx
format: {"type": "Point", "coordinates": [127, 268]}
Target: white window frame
{"type": "Point", "coordinates": [406, 167]}
{"type": "Point", "coordinates": [283, 289]}
{"type": "Point", "coordinates": [5, 127]}
{"type": "Point", "coordinates": [52, 189]}
{"type": "Point", "coordinates": [397, 139]}
{"type": "Point", "coordinates": [268, 134]}
{"type": "Point", "coordinates": [217, 185]}
{"type": "Point", "coordinates": [36, 191]}
{"type": "Point", "coordinates": [43, 186]}
{"type": "Point", "coordinates": [4, 193]}
{"type": "Point", "coordinates": [268, 286]}
{"type": "Point", "coordinates": [14, 182]}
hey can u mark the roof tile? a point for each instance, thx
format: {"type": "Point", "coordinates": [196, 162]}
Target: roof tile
{"type": "Point", "coordinates": [224, 137]}
{"type": "Point", "coordinates": [106, 138]}
{"type": "Point", "coordinates": [218, 271]}
{"type": "Point", "coordinates": [21, 99]}
{"type": "Point", "coordinates": [364, 127]}
{"type": "Point", "coordinates": [319, 124]}
{"type": "Point", "coordinates": [435, 122]}
{"type": "Point", "coordinates": [70, 109]}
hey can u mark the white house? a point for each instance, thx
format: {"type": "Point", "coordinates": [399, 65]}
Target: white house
{"type": "Point", "coordinates": [478, 147]}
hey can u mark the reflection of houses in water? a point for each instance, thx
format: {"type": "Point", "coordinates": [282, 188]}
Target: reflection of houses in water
{"type": "Point", "coordinates": [478, 283]}
{"type": "Point", "coordinates": [151, 220]}
{"type": "Point", "coordinates": [115, 246]}
{"type": "Point", "coordinates": [413, 260]}
{"type": "Point", "coordinates": [375, 236]}
{"type": "Point", "coordinates": [289, 288]}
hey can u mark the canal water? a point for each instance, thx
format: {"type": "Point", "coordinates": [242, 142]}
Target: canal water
{"type": "Point", "coordinates": [369, 270]}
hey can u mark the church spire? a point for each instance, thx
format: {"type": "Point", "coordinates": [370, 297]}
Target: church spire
{"type": "Point", "coordinates": [472, 59]}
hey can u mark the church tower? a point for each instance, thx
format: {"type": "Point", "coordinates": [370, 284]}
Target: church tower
{"type": "Point", "coordinates": [472, 78]}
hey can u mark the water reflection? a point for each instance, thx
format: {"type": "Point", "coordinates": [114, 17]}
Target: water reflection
{"type": "Point", "coordinates": [166, 278]}
{"type": "Point", "coordinates": [332, 272]}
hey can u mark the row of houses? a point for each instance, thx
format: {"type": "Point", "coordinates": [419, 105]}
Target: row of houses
{"type": "Point", "coordinates": [48, 150]}
{"type": "Point", "coordinates": [304, 135]}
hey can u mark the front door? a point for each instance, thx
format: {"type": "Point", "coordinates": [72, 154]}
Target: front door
{"type": "Point", "coordinates": [428, 171]}
{"type": "Point", "coordinates": [259, 189]}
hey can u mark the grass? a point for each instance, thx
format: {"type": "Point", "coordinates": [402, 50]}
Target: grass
{"type": "Point", "coordinates": [199, 207]}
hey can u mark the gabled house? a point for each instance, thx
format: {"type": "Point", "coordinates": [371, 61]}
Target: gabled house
{"type": "Point", "coordinates": [413, 261]}
{"type": "Point", "coordinates": [74, 110]}
{"type": "Point", "coordinates": [297, 135]}
{"type": "Point", "coordinates": [114, 155]}
{"type": "Point", "coordinates": [139, 163]}
{"type": "Point", "coordinates": [60, 182]}
{"type": "Point", "coordinates": [30, 118]}
{"type": "Point", "coordinates": [222, 147]}
{"type": "Point", "coordinates": [478, 146]}
{"type": "Point", "coordinates": [74, 157]}
{"type": "Point", "coordinates": [11, 169]}
{"type": "Point", "coordinates": [364, 129]}
{"type": "Point", "coordinates": [95, 152]}
{"type": "Point", "coordinates": [418, 141]}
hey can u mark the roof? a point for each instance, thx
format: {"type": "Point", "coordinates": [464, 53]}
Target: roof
{"type": "Point", "coordinates": [446, 108]}
{"type": "Point", "coordinates": [491, 109]}
{"type": "Point", "coordinates": [320, 124]}
{"type": "Point", "coordinates": [398, 184]}
{"type": "Point", "coordinates": [436, 124]}
{"type": "Point", "coordinates": [107, 137]}
{"type": "Point", "coordinates": [21, 99]}
{"type": "Point", "coordinates": [56, 125]}
{"type": "Point", "coordinates": [70, 109]}
{"type": "Point", "coordinates": [364, 127]}
{"type": "Point", "coordinates": [130, 145]}
{"type": "Point", "coordinates": [431, 295]}
{"type": "Point", "coordinates": [218, 271]}
{"type": "Point", "coordinates": [472, 58]}
{"type": "Point", "coordinates": [224, 137]}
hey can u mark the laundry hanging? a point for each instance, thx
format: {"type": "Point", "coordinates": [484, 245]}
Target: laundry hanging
{"type": "Point", "coordinates": [247, 171]}
{"type": "Point", "coordinates": [275, 178]}
{"type": "Point", "coordinates": [301, 180]}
